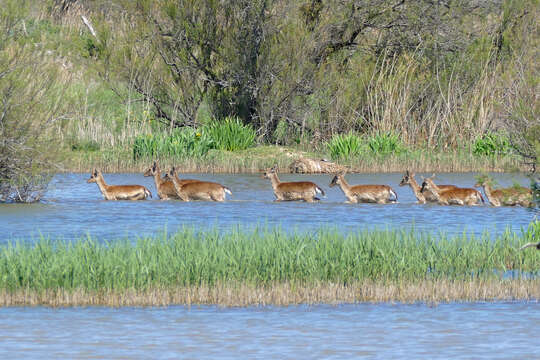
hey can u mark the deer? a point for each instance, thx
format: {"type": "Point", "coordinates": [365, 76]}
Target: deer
{"type": "Point", "coordinates": [456, 196]}
{"type": "Point", "coordinates": [512, 196]}
{"type": "Point", "coordinates": [200, 190]}
{"type": "Point", "coordinates": [380, 194]}
{"type": "Point", "coordinates": [293, 190]}
{"type": "Point", "coordinates": [165, 188]}
{"type": "Point", "coordinates": [422, 197]}
{"type": "Point", "coordinates": [118, 192]}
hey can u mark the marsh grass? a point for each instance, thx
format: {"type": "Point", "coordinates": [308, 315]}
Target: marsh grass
{"type": "Point", "coordinates": [270, 266]}
{"type": "Point", "coordinates": [256, 159]}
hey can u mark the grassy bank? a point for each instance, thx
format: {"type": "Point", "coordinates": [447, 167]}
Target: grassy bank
{"type": "Point", "coordinates": [270, 266]}
{"type": "Point", "coordinates": [255, 159]}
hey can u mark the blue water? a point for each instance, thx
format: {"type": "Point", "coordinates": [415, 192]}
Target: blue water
{"type": "Point", "coordinates": [72, 209]}
{"type": "Point", "coordinates": [504, 330]}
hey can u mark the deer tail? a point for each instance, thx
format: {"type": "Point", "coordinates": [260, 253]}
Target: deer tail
{"type": "Point", "coordinates": [318, 189]}
{"type": "Point", "coordinates": [394, 194]}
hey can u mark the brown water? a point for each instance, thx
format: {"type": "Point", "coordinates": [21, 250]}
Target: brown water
{"type": "Point", "coordinates": [382, 331]}
{"type": "Point", "coordinates": [72, 209]}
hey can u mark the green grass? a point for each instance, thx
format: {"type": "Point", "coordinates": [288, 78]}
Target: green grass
{"type": "Point", "coordinates": [263, 256]}
{"type": "Point", "coordinates": [343, 146]}
{"type": "Point", "coordinates": [185, 142]}
{"type": "Point", "coordinates": [230, 134]}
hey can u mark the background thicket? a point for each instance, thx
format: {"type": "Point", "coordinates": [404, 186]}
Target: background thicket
{"type": "Point", "coordinates": [443, 75]}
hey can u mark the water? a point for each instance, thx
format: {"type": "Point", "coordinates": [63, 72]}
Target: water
{"type": "Point", "coordinates": [72, 209]}
{"type": "Point", "coordinates": [375, 331]}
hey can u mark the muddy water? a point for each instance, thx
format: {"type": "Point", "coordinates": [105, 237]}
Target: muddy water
{"type": "Point", "coordinates": [72, 208]}
{"type": "Point", "coordinates": [382, 331]}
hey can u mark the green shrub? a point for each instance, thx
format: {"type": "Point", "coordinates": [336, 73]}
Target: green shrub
{"type": "Point", "coordinates": [85, 145]}
{"type": "Point", "coordinates": [492, 144]}
{"type": "Point", "coordinates": [385, 143]}
{"type": "Point", "coordinates": [344, 146]}
{"type": "Point", "coordinates": [180, 143]}
{"type": "Point", "coordinates": [230, 134]}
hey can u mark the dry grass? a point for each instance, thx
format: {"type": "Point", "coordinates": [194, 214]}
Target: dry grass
{"type": "Point", "coordinates": [283, 294]}
{"type": "Point", "coordinates": [257, 159]}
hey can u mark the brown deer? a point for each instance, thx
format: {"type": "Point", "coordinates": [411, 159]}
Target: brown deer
{"type": "Point", "coordinates": [118, 192]}
{"type": "Point", "coordinates": [422, 197]}
{"type": "Point", "coordinates": [456, 196]}
{"type": "Point", "coordinates": [506, 196]}
{"type": "Point", "coordinates": [380, 194]}
{"type": "Point", "coordinates": [165, 188]}
{"type": "Point", "coordinates": [294, 190]}
{"type": "Point", "coordinates": [200, 190]}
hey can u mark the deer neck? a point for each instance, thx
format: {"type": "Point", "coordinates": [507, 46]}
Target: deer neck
{"type": "Point", "coordinates": [488, 191]}
{"type": "Point", "coordinates": [274, 180]}
{"type": "Point", "coordinates": [176, 183]}
{"type": "Point", "coordinates": [103, 187]}
{"type": "Point", "coordinates": [344, 185]}
{"type": "Point", "coordinates": [494, 199]}
{"type": "Point", "coordinates": [416, 190]}
{"type": "Point", "coordinates": [157, 178]}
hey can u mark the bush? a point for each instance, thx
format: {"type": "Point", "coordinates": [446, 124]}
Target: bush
{"type": "Point", "coordinates": [344, 146]}
{"type": "Point", "coordinates": [180, 143]}
{"type": "Point", "coordinates": [85, 145]}
{"type": "Point", "coordinates": [230, 134]}
{"type": "Point", "coordinates": [492, 144]}
{"type": "Point", "coordinates": [385, 143]}
{"type": "Point", "coordinates": [30, 94]}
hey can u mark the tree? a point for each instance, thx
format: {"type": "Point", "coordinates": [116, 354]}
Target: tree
{"type": "Point", "coordinates": [181, 53]}
{"type": "Point", "coordinates": [30, 102]}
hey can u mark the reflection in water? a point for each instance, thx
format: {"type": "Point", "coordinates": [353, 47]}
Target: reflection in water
{"type": "Point", "coordinates": [447, 331]}
{"type": "Point", "coordinates": [73, 208]}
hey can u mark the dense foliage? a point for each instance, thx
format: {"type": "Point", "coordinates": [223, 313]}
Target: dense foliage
{"type": "Point", "coordinates": [400, 75]}
{"type": "Point", "coordinates": [30, 104]}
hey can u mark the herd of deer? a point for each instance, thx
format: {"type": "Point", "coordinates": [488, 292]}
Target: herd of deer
{"type": "Point", "coordinates": [172, 187]}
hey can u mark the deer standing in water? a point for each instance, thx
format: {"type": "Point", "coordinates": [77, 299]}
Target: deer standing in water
{"type": "Point", "coordinates": [200, 190]}
{"type": "Point", "coordinates": [426, 195]}
{"type": "Point", "coordinates": [380, 194]}
{"type": "Point", "coordinates": [118, 192]}
{"type": "Point", "coordinates": [456, 196]}
{"type": "Point", "coordinates": [165, 188]}
{"type": "Point", "coordinates": [507, 196]}
{"type": "Point", "coordinates": [293, 190]}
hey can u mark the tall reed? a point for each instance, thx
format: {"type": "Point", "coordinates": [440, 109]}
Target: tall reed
{"type": "Point", "coordinates": [263, 257]}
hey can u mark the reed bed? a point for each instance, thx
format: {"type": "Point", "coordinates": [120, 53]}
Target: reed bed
{"type": "Point", "coordinates": [255, 160]}
{"type": "Point", "coordinates": [270, 266]}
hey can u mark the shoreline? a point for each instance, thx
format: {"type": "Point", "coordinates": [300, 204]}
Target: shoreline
{"type": "Point", "coordinates": [257, 159]}
{"type": "Point", "coordinates": [285, 294]}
